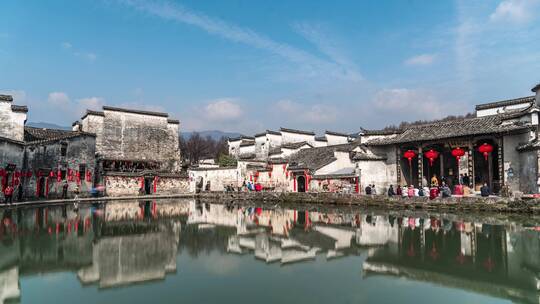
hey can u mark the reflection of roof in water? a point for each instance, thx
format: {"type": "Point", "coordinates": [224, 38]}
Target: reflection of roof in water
{"type": "Point", "coordinates": [449, 280]}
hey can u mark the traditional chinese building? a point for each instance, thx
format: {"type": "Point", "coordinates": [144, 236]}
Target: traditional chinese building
{"type": "Point", "coordinates": [135, 150]}
{"type": "Point", "coordinates": [499, 147]}
{"type": "Point", "coordinates": [38, 162]}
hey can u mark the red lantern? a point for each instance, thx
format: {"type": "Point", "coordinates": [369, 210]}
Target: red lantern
{"type": "Point", "coordinates": [458, 153]}
{"type": "Point", "coordinates": [409, 154]}
{"type": "Point", "coordinates": [485, 149]}
{"type": "Point", "coordinates": [431, 155]}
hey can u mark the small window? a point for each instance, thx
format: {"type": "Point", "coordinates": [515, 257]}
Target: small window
{"type": "Point", "coordinates": [63, 150]}
{"type": "Point", "coordinates": [82, 170]}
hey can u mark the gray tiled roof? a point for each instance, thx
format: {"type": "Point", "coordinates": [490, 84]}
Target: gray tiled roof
{"type": "Point", "coordinates": [316, 158]}
{"type": "Point", "coordinates": [504, 103]}
{"type": "Point", "coordinates": [536, 88]}
{"type": "Point", "coordinates": [321, 138]}
{"type": "Point", "coordinates": [133, 111]}
{"type": "Point", "coordinates": [451, 129]}
{"type": "Point", "coordinates": [296, 131]}
{"type": "Point", "coordinates": [38, 135]}
{"type": "Point", "coordinates": [336, 133]}
{"type": "Point", "coordinates": [6, 98]}
{"type": "Point", "coordinates": [295, 145]}
{"type": "Point", "coordinates": [16, 108]}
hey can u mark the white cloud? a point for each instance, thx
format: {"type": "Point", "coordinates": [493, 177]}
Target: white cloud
{"type": "Point", "coordinates": [515, 11]}
{"type": "Point", "coordinates": [73, 109]}
{"type": "Point", "coordinates": [90, 56]}
{"type": "Point", "coordinates": [423, 59]}
{"type": "Point", "coordinates": [58, 99]}
{"type": "Point", "coordinates": [89, 103]}
{"type": "Point", "coordinates": [310, 64]}
{"type": "Point", "coordinates": [408, 104]}
{"type": "Point", "coordinates": [315, 114]}
{"type": "Point", "coordinates": [225, 109]}
{"type": "Point", "coordinates": [328, 45]}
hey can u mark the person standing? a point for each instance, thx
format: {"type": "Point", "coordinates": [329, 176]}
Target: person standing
{"type": "Point", "coordinates": [8, 194]}
{"type": "Point", "coordinates": [466, 180]}
{"type": "Point", "coordinates": [391, 191]}
{"type": "Point", "coordinates": [399, 191]}
{"type": "Point", "coordinates": [65, 187]}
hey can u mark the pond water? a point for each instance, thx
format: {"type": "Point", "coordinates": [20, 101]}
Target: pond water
{"type": "Point", "coordinates": [187, 252]}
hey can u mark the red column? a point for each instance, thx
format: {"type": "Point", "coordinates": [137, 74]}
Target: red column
{"type": "Point", "coordinates": [294, 183]}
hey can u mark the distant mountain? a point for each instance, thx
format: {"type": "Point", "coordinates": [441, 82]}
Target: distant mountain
{"type": "Point", "coordinates": [46, 125]}
{"type": "Point", "coordinates": [214, 134]}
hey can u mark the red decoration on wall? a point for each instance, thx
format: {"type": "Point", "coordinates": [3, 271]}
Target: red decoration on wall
{"type": "Point", "coordinates": [141, 180]}
{"type": "Point", "coordinates": [59, 176]}
{"type": "Point", "coordinates": [88, 176]}
{"type": "Point", "coordinates": [409, 154]}
{"type": "Point", "coordinates": [458, 153]}
{"type": "Point", "coordinates": [78, 175]}
{"type": "Point", "coordinates": [269, 174]}
{"type": "Point", "coordinates": [155, 184]}
{"type": "Point", "coordinates": [431, 155]}
{"type": "Point", "coordinates": [485, 149]}
{"type": "Point", "coordinates": [284, 167]}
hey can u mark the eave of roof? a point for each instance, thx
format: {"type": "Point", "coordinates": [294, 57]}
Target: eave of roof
{"type": "Point", "coordinates": [173, 121]}
{"type": "Point", "coordinates": [504, 103]}
{"type": "Point", "coordinates": [536, 88]}
{"type": "Point", "coordinates": [453, 129]}
{"type": "Point", "coordinates": [336, 133]}
{"type": "Point", "coordinates": [133, 111]}
{"type": "Point", "coordinates": [7, 98]}
{"type": "Point", "coordinates": [17, 108]}
{"type": "Point", "coordinates": [296, 131]}
{"type": "Point", "coordinates": [13, 141]}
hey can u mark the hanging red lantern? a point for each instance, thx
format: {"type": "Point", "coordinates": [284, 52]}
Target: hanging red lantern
{"type": "Point", "coordinates": [409, 154]}
{"type": "Point", "coordinates": [485, 149]}
{"type": "Point", "coordinates": [431, 155]}
{"type": "Point", "coordinates": [458, 153]}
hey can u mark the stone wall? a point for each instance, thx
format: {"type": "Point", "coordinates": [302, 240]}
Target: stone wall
{"type": "Point", "coordinates": [219, 178]}
{"type": "Point", "coordinates": [133, 136]}
{"type": "Point", "coordinates": [513, 169]}
{"type": "Point", "coordinates": [11, 153]}
{"type": "Point", "coordinates": [121, 185]}
{"type": "Point", "coordinates": [47, 156]}
{"type": "Point", "coordinates": [11, 123]}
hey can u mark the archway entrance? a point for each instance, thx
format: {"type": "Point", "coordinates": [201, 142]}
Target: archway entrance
{"type": "Point", "coordinates": [301, 183]}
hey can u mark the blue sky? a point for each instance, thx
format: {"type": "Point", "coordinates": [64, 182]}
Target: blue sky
{"type": "Point", "coordinates": [252, 65]}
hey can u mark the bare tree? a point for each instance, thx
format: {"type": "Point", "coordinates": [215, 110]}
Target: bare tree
{"type": "Point", "coordinates": [197, 147]}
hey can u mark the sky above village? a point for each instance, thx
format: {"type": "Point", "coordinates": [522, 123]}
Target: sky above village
{"type": "Point", "coordinates": [247, 66]}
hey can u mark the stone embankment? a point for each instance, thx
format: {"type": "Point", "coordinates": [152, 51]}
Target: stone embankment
{"type": "Point", "coordinates": [453, 204]}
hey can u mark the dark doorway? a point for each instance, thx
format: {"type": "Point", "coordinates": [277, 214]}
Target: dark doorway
{"type": "Point", "coordinates": [41, 187]}
{"type": "Point", "coordinates": [148, 185]}
{"type": "Point", "coordinates": [301, 183]}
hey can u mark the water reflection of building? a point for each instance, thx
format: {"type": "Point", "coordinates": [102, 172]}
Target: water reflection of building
{"type": "Point", "coordinates": [481, 258]}
{"type": "Point", "coordinates": [135, 242]}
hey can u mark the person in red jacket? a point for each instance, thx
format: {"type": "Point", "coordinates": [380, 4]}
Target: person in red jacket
{"type": "Point", "coordinates": [8, 194]}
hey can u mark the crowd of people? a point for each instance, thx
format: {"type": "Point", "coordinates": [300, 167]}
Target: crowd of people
{"type": "Point", "coordinates": [438, 188]}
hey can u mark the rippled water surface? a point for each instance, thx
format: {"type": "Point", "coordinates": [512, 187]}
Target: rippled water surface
{"type": "Point", "coordinates": [188, 252]}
